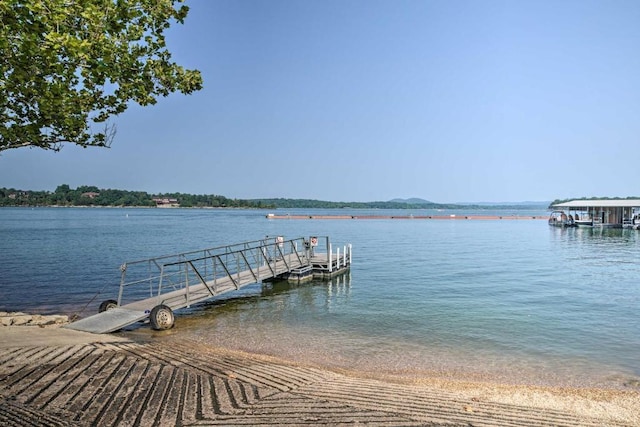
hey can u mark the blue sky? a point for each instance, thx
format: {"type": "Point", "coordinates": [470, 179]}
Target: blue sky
{"type": "Point", "coordinates": [450, 101]}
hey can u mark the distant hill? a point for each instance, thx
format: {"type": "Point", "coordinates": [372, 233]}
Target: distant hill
{"type": "Point", "coordinates": [412, 201]}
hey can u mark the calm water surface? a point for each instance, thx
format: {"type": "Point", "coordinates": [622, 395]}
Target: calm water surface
{"type": "Point", "coordinates": [516, 301]}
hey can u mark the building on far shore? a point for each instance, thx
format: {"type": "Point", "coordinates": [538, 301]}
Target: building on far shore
{"type": "Point", "coordinates": [613, 213]}
{"type": "Point", "coordinates": [166, 203]}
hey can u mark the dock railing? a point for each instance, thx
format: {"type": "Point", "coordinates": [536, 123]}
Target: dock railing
{"type": "Point", "coordinates": [325, 260]}
{"type": "Point", "coordinates": [260, 259]}
{"type": "Point", "coordinates": [153, 288]}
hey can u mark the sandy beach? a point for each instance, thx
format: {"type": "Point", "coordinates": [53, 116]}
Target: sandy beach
{"type": "Point", "coordinates": [59, 377]}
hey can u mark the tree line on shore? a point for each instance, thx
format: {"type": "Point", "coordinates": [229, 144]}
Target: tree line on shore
{"type": "Point", "coordinates": [93, 196]}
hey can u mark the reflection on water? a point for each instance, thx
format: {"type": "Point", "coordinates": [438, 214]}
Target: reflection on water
{"type": "Point", "coordinates": [280, 296]}
{"type": "Point", "coordinates": [285, 320]}
{"type": "Point", "coordinates": [595, 235]}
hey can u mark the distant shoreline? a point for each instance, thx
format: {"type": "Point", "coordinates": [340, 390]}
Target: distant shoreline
{"type": "Point", "coordinates": [458, 208]}
{"type": "Point", "coordinates": [94, 196]}
{"type": "Point", "coordinates": [420, 217]}
{"type": "Point", "coordinates": [131, 207]}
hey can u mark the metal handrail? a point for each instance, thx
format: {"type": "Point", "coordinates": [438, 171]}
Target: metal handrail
{"type": "Point", "coordinates": [188, 255]}
{"type": "Point", "coordinates": [208, 266]}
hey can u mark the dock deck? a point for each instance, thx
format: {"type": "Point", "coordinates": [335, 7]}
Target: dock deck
{"type": "Point", "coordinates": [179, 281]}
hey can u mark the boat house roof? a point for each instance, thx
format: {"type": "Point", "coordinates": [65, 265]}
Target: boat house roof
{"type": "Point", "coordinates": [610, 203]}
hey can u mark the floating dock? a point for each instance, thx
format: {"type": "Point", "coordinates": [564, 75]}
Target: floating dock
{"type": "Point", "coordinates": [155, 287]}
{"type": "Point", "coordinates": [436, 217]}
{"type": "Point", "coordinates": [605, 213]}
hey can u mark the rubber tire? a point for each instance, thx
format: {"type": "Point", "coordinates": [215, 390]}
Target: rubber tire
{"type": "Point", "coordinates": [161, 318]}
{"type": "Point", "coordinates": [109, 304]}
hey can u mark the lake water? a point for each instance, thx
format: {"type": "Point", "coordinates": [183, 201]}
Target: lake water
{"type": "Point", "coordinates": [514, 301]}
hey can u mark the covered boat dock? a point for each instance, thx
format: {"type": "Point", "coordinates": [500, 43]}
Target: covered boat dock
{"type": "Point", "coordinates": [611, 213]}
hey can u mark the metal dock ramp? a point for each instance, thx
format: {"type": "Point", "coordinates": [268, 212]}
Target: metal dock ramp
{"type": "Point", "coordinates": [155, 287]}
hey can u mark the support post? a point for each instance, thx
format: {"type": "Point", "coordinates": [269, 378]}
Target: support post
{"type": "Point", "coordinates": [215, 275]}
{"type": "Point", "coordinates": [161, 278]}
{"type": "Point", "coordinates": [186, 278]}
{"type": "Point", "coordinates": [123, 271]}
{"type": "Point", "coordinates": [258, 262]}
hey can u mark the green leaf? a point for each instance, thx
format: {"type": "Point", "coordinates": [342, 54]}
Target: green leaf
{"type": "Point", "coordinates": [66, 65]}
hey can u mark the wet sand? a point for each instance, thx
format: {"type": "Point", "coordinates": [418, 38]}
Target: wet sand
{"type": "Point", "coordinates": [53, 376]}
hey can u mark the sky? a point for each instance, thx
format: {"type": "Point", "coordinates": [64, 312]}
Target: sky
{"type": "Point", "coordinates": [365, 100]}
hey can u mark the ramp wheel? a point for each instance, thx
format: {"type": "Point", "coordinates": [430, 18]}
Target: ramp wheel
{"type": "Point", "coordinates": [161, 317]}
{"type": "Point", "coordinates": [109, 304]}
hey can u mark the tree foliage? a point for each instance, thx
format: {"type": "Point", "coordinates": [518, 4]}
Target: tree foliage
{"type": "Point", "coordinates": [67, 66]}
{"type": "Point", "coordinates": [93, 196]}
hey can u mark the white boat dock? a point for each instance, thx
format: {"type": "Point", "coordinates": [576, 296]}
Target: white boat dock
{"type": "Point", "coordinates": [606, 213]}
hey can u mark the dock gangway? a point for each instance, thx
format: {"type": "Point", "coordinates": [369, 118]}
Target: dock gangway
{"type": "Point", "coordinates": [153, 288]}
